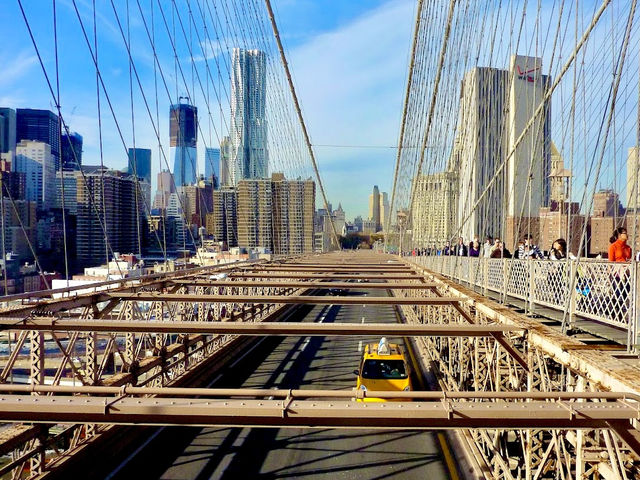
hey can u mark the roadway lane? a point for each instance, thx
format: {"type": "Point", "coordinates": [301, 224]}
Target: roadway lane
{"type": "Point", "coordinates": [308, 362]}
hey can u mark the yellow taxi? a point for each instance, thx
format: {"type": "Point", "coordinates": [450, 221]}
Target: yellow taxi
{"type": "Point", "coordinates": [384, 367]}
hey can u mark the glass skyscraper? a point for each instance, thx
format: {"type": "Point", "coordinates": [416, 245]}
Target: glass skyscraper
{"type": "Point", "coordinates": [212, 164]}
{"type": "Point", "coordinates": [140, 163]}
{"type": "Point", "coordinates": [40, 125]}
{"type": "Point", "coordinates": [249, 156]}
{"type": "Point", "coordinates": [183, 127]}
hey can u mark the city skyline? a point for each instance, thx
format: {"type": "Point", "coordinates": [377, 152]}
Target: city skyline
{"type": "Point", "coordinates": [309, 31]}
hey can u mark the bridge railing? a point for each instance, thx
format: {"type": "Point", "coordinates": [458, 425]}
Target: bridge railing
{"type": "Point", "coordinates": [596, 290]}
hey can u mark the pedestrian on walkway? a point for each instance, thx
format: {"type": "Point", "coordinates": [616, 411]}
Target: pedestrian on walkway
{"type": "Point", "coordinates": [619, 251]}
{"type": "Point", "coordinates": [474, 248]}
{"type": "Point", "coordinates": [486, 248]}
{"type": "Point", "coordinates": [461, 248]}
{"type": "Point", "coordinates": [529, 249]}
{"type": "Point", "coordinates": [558, 250]}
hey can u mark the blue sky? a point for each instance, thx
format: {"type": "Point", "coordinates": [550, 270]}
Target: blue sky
{"type": "Point", "coordinates": [349, 62]}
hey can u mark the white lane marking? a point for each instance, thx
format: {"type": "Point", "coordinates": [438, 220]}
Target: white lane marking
{"type": "Point", "coordinates": [362, 320]}
{"type": "Point", "coordinates": [360, 346]}
{"type": "Point", "coordinates": [304, 345]}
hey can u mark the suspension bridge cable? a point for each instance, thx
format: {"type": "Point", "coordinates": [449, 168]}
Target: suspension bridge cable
{"type": "Point", "coordinates": [301, 119]}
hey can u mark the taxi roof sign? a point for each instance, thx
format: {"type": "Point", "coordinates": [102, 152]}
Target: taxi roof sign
{"type": "Point", "coordinates": [383, 347]}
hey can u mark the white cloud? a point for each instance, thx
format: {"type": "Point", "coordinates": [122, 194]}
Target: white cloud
{"type": "Point", "coordinates": [15, 67]}
{"type": "Point", "coordinates": [351, 83]}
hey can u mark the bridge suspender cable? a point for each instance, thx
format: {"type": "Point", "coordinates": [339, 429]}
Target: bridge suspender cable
{"type": "Point", "coordinates": [434, 97]}
{"type": "Point", "coordinates": [405, 106]}
{"type": "Point", "coordinates": [302, 124]}
{"type": "Point", "coordinates": [538, 110]}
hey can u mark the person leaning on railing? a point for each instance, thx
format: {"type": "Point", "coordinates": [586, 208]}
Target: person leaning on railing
{"type": "Point", "coordinates": [619, 251]}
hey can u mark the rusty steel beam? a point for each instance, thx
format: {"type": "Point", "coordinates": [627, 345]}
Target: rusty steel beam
{"type": "Point", "coordinates": [328, 276]}
{"type": "Point", "coordinates": [297, 284]}
{"type": "Point", "coordinates": [309, 393]}
{"type": "Point", "coordinates": [251, 328]}
{"type": "Point", "coordinates": [328, 269]}
{"type": "Point", "coordinates": [313, 413]}
{"type": "Point", "coordinates": [295, 299]}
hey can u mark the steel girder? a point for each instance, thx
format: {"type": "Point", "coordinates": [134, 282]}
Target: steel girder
{"type": "Point", "coordinates": [555, 363]}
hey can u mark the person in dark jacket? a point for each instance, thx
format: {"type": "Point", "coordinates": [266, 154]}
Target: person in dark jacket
{"type": "Point", "coordinates": [461, 248]}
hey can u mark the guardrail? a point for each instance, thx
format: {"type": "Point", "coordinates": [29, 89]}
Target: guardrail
{"type": "Point", "coordinates": [602, 291]}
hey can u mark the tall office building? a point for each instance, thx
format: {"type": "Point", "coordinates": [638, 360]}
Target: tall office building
{"type": "Point", "coordinates": [225, 161]}
{"type": "Point", "coordinates": [374, 207]}
{"type": "Point", "coordinates": [248, 154]}
{"type": "Point", "coordinates": [529, 167]}
{"type": "Point", "coordinates": [70, 180]}
{"type": "Point", "coordinates": [197, 202]}
{"type": "Point", "coordinates": [384, 209]}
{"type": "Point", "coordinates": [40, 125]}
{"type": "Point", "coordinates": [105, 199]}
{"type": "Point", "coordinates": [434, 209]}
{"type": "Point", "coordinates": [165, 188]}
{"type": "Point", "coordinates": [493, 114]}
{"type": "Point", "coordinates": [559, 178]}
{"type": "Point", "coordinates": [140, 166]}
{"type": "Point", "coordinates": [183, 131]}
{"type": "Point", "coordinates": [212, 165]}
{"type": "Point", "coordinates": [140, 163]}
{"type": "Point", "coordinates": [7, 137]}
{"type": "Point", "coordinates": [379, 211]}
{"type": "Point", "coordinates": [34, 159]}
{"type": "Point", "coordinates": [293, 210]}
{"type": "Point", "coordinates": [339, 219]}
{"type": "Point", "coordinates": [276, 214]}
{"type": "Point", "coordinates": [222, 222]}
{"type": "Point", "coordinates": [19, 226]}
{"type": "Point", "coordinates": [255, 213]}
{"type": "Point", "coordinates": [71, 149]}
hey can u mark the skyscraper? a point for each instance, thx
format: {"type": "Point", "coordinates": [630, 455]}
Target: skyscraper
{"type": "Point", "coordinates": [40, 125]}
{"type": "Point", "coordinates": [225, 161]}
{"type": "Point", "coordinates": [249, 156]}
{"type": "Point", "coordinates": [222, 223]}
{"type": "Point", "coordinates": [183, 127]}
{"type": "Point", "coordinates": [495, 107]}
{"type": "Point", "coordinates": [7, 135]}
{"type": "Point", "coordinates": [105, 203]}
{"type": "Point", "coordinates": [374, 207]}
{"type": "Point", "coordinates": [34, 159]}
{"type": "Point", "coordinates": [212, 165]}
{"type": "Point", "coordinates": [140, 163]}
{"type": "Point", "coordinates": [165, 188]}
{"type": "Point", "coordinates": [255, 213]}
{"type": "Point", "coordinates": [71, 151]}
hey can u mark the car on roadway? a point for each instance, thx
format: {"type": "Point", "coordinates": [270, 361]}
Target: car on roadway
{"type": "Point", "coordinates": [384, 367]}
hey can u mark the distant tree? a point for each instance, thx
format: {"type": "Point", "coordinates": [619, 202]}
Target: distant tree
{"type": "Point", "coordinates": [351, 241]}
